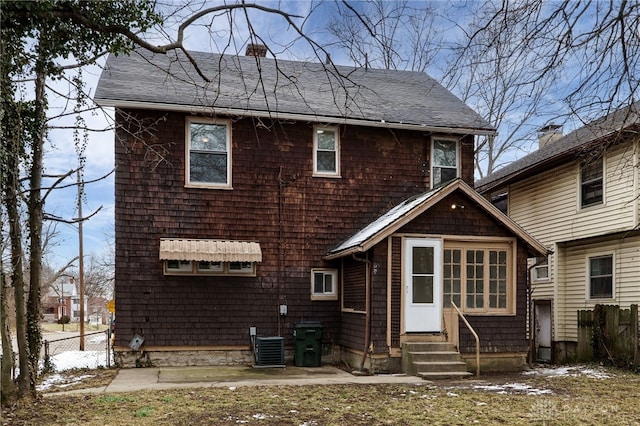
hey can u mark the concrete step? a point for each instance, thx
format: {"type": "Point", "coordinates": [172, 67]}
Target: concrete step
{"type": "Point", "coordinates": [435, 356]}
{"type": "Point", "coordinates": [443, 376]}
{"type": "Point", "coordinates": [430, 347]}
{"type": "Point", "coordinates": [440, 366]}
{"type": "Point", "coordinates": [433, 360]}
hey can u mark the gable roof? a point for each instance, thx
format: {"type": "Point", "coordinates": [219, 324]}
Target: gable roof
{"type": "Point", "coordinates": [565, 148]}
{"type": "Point", "coordinates": [413, 207]}
{"type": "Point", "coordinates": [264, 87]}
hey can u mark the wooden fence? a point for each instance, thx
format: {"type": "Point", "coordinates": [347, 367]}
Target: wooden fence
{"type": "Point", "coordinates": [609, 334]}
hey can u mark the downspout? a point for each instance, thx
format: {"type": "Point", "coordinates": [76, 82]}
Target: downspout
{"type": "Point", "coordinates": [531, 309]}
{"type": "Point", "coordinates": [367, 308]}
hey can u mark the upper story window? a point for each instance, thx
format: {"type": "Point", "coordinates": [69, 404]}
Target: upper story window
{"type": "Point", "coordinates": [601, 277]}
{"type": "Point", "coordinates": [208, 153]}
{"type": "Point", "coordinates": [591, 182]}
{"type": "Point", "coordinates": [444, 163]}
{"type": "Point", "coordinates": [326, 152]}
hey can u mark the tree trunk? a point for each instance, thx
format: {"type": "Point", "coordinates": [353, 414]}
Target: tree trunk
{"type": "Point", "coordinates": [35, 210]}
{"type": "Point", "coordinates": [15, 236]}
{"type": "Point", "coordinates": [6, 379]}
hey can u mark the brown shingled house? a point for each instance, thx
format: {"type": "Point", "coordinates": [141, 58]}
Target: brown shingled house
{"type": "Point", "coordinates": [281, 192]}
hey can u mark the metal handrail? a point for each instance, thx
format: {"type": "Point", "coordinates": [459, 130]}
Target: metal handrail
{"type": "Point", "coordinates": [475, 335]}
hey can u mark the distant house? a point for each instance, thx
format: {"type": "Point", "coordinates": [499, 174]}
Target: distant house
{"type": "Point", "coordinates": [62, 299]}
{"type": "Point", "coordinates": [281, 192]}
{"type": "Point", "coordinates": [579, 194]}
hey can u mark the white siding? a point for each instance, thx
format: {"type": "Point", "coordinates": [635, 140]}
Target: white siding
{"type": "Point", "coordinates": [547, 206]}
{"type": "Point", "coordinates": [573, 286]}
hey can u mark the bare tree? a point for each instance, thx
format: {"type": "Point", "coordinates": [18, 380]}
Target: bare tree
{"type": "Point", "coordinates": [395, 35]}
{"type": "Point", "coordinates": [526, 64]}
{"type": "Point", "coordinates": [521, 65]}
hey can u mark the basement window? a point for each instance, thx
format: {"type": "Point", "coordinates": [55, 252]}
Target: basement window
{"type": "Point", "coordinates": [187, 267]}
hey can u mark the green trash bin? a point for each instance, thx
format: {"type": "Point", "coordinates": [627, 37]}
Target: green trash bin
{"type": "Point", "coordinates": [308, 348]}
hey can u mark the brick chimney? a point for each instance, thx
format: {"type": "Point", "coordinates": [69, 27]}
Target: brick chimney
{"type": "Point", "coordinates": [549, 134]}
{"type": "Point", "coordinates": [259, 50]}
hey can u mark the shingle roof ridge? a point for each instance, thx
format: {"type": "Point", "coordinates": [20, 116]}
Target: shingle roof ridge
{"type": "Point", "coordinates": [596, 129]}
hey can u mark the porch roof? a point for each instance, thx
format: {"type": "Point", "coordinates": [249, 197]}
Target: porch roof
{"type": "Point", "coordinates": [204, 250]}
{"type": "Point", "coordinates": [411, 208]}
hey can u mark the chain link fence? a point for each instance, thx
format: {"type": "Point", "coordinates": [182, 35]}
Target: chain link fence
{"type": "Point", "coordinates": [65, 354]}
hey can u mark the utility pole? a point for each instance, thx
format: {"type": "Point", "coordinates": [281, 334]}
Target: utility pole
{"type": "Point", "coordinates": [80, 261]}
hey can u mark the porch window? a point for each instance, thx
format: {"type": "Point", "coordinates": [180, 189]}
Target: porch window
{"type": "Point", "coordinates": [591, 183]}
{"type": "Point", "coordinates": [326, 152]}
{"type": "Point", "coordinates": [444, 163]}
{"type": "Point", "coordinates": [208, 159]}
{"type": "Point", "coordinates": [601, 277]}
{"type": "Point", "coordinates": [480, 279]}
{"type": "Point", "coordinates": [324, 284]}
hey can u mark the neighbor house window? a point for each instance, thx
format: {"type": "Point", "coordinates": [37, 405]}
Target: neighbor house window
{"type": "Point", "coordinates": [326, 152]}
{"type": "Point", "coordinates": [591, 183]}
{"type": "Point", "coordinates": [479, 277]}
{"type": "Point", "coordinates": [324, 284]}
{"type": "Point", "coordinates": [540, 272]}
{"type": "Point", "coordinates": [208, 153]}
{"type": "Point", "coordinates": [187, 267]}
{"type": "Point", "coordinates": [601, 277]}
{"type": "Point", "coordinates": [444, 163]}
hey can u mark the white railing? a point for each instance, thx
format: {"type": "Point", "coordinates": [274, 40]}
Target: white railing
{"type": "Point", "coordinates": [475, 335]}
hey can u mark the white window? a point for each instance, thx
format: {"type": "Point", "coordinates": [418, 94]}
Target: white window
{"type": "Point", "coordinates": [186, 267]}
{"type": "Point", "coordinates": [326, 152]}
{"type": "Point", "coordinates": [591, 182]}
{"type": "Point", "coordinates": [540, 272]}
{"type": "Point", "coordinates": [444, 161]}
{"type": "Point", "coordinates": [601, 282]}
{"type": "Point", "coordinates": [208, 145]}
{"type": "Point", "coordinates": [480, 278]}
{"type": "Point", "coordinates": [324, 284]}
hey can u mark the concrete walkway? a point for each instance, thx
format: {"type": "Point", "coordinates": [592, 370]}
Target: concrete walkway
{"type": "Point", "coordinates": [135, 379]}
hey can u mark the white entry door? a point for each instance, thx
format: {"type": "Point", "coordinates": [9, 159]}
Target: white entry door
{"type": "Point", "coordinates": [422, 285]}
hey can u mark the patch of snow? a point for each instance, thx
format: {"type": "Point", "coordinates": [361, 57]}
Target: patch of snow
{"type": "Point", "coordinates": [508, 388]}
{"type": "Point", "coordinates": [70, 360]}
{"type": "Point", "coordinates": [61, 381]}
{"type": "Point", "coordinates": [452, 394]}
{"type": "Point", "coordinates": [569, 371]}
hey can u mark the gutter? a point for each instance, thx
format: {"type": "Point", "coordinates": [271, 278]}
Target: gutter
{"type": "Point", "coordinates": [290, 116]}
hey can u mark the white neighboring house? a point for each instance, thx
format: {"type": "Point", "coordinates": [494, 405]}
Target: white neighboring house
{"type": "Point", "coordinates": [63, 299]}
{"type": "Point", "coordinates": [579, 194]}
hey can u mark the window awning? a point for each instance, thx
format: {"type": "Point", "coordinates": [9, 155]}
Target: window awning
{"type": "Point", "coordinates": [209, 250]}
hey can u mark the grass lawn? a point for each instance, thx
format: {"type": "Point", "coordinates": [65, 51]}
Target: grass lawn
{"type": "Point", "coordinates": [590, 397]}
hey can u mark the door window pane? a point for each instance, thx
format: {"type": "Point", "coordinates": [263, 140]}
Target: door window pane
{"type": "Point", "coordinates": [423, 289]}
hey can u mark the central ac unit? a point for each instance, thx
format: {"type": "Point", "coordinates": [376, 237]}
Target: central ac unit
{"type": "Point", "coordinates": [270, 351]}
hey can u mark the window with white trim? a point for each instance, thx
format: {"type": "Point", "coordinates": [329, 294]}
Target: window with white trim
{"type": "Point", "coordinates": [480, 278]}
{"type": "Point", "coordinates": [540, 272]}
{"type": "Point", "coordinates": [591, 182]}
{"type": "Point", "coordinates": [444, 161]}
{"type": "Point", "coordinates": [324, 283]}
{"type": "Point", "coordinates": [326, 151]}
{"type": "Point", "coordinates": [187, 267]}
{"type": "Point", "coordinates": [208, 156]}
{"type": "Point", "coordinates": [601, 282]}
